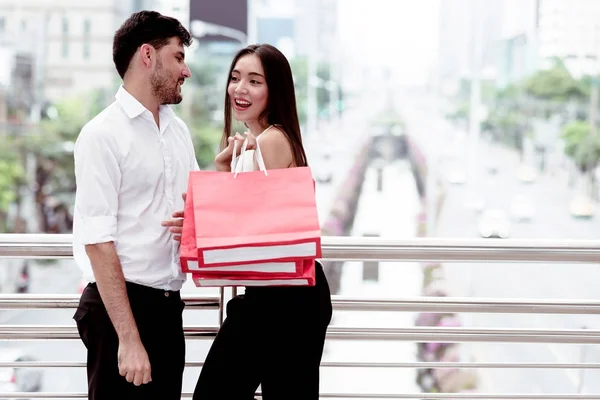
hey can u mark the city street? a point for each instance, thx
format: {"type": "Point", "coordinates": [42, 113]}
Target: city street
{"type": "Point", "coordinates": [391, 213]}
{"type": "Point", "coordinates": [550, 196]}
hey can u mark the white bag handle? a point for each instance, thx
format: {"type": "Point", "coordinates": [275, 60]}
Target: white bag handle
{"type": "Point", "coordinates": [237, 163]}
{"type": "Point", "coordinates": [234, 158]}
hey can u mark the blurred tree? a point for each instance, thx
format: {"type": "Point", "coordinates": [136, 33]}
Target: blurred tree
{"type": "Point", "coordinates": [11, 178]}
{"type": "Point", "coordinates": [52, 147]}
{"type": "Point", "coordinates": [200, 111]}
{"type": "Point", "coordinates": [300, 71]}
{"type": "Point", "coordinates": [555, 83]}
{"type": "Point", "coordinates": [459, 113]}
{"type": "Point", "coordinates": [509, 94]}
{"type": "Point", "coordinates": [582, 146]}
{"type": "Point", "coordinates": [323, 94]}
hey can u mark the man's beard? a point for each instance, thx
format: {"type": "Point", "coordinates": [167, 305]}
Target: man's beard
{"type": "Point", "coordinates": [162, 87]}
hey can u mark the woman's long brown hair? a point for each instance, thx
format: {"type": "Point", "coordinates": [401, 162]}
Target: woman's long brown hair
{"type": "Point", "coordinates": [281, 108]}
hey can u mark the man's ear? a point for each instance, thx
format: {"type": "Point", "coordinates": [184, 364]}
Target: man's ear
{"type": "Point", "coordinates": [146, 54]}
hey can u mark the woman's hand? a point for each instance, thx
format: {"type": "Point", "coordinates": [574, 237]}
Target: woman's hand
{"type": "Point", "coordinates": [223, 159]}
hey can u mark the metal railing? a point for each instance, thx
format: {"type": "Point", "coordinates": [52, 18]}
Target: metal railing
{"type": "Point", "coordinates": [368, 248]}
{"type": "Point", "coordinates": [351, 248]}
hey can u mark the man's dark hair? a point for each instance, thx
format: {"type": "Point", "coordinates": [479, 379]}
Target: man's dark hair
{"type": "Point", "coordinates": [145, 27]}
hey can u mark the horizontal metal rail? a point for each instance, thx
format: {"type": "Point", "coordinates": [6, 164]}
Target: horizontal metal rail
{"type": "Point", "coordinates": [433, 396]}
{"type": "Point", "coordinates": [418, 304]}
{"type": "Point", "coordinates": [474, 396]}
{"type": "Point", "coordinates": [467, 305]}
{"type": "Point", "coordinates": [364, 248]}
{"type": "Point", "coordinates": [50, 301]}
{"type": "Point", "coordinates": [415, 334]}
{"type": "Point", "coordinates": [346, 364]}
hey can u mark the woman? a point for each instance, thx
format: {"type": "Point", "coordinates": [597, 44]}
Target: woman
{"type": "Point", "coordinates": [272, 336]}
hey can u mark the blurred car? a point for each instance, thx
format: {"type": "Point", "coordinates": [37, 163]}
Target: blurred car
{"type": "Point", "coordinates": [494, 224]}
{"type": "Point", "coordinates": [492, 169]}
{"type": "Point", "coordinates": [475, 202]}
{"type": "Point", "coordinates": [14, 276]}
{"type": "Point", "coordinates": [582, 207]}
{"type": "Point", "coordinates": [522, 208]}
{"type": "Point", "coordinates": [456, 176]}
{"type": "Point", "coordinates": [19, 379]}
{"type": "Point", "coordinates": [323, 171]}
{"type": "Point", "coordinates": [526, 174]}
{"type": "Point", "coordinates": [24, 278]}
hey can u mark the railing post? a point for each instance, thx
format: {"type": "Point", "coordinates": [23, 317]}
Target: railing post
{"type": "Point", "coordinates": [221, 305]}
{"type": "Point", "coordinates": [223, 302]}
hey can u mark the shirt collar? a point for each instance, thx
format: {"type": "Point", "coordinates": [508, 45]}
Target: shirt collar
{"type": "Point", "coordinates": [134, 108]}
{"type": "Point", "coordinates": [130, 104]}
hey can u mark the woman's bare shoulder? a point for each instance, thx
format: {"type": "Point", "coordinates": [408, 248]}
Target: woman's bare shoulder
{"type": "Point", "coordinates": [274, 134]}
{"type": "Point", "coordinates": [275, 147]}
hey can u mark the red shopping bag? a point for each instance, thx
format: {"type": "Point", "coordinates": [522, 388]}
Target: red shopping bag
{"type": "Point", "coordinates": [189, 251]}
{"type": "Point", "coordinates": [305, 278]}
{"type": "Point", "coordinates": [255, 217]}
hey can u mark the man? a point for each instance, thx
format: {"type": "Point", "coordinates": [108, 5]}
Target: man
{"type": "Point", "coordinates": [132, 163]}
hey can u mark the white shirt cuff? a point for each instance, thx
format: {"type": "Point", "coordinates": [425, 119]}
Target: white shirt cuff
{"type": "Point", "coordinates": [98, 229]}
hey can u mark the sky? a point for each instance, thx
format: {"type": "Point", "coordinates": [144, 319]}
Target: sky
{"type": "Point", "coordinates": [401, 34]}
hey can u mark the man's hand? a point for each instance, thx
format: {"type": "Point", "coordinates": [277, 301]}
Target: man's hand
{"type": "Point", "coordinates": [134, 363]}
{"type": "Point", "coordinates": [176, 225]}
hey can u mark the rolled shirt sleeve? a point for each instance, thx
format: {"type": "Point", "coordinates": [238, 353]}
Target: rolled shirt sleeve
{"type": "Point", "coordinates": [98, 178]}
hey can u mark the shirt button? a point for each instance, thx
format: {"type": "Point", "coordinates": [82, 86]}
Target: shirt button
{"type": "Point", "coordinates": [166, 294]}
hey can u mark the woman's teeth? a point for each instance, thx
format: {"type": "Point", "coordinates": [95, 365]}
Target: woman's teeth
{"type": "Point", "coordinates": [242, 103]}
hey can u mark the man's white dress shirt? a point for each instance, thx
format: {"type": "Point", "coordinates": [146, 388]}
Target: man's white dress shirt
{"type": "Point", "coordinates": [130, 176]}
